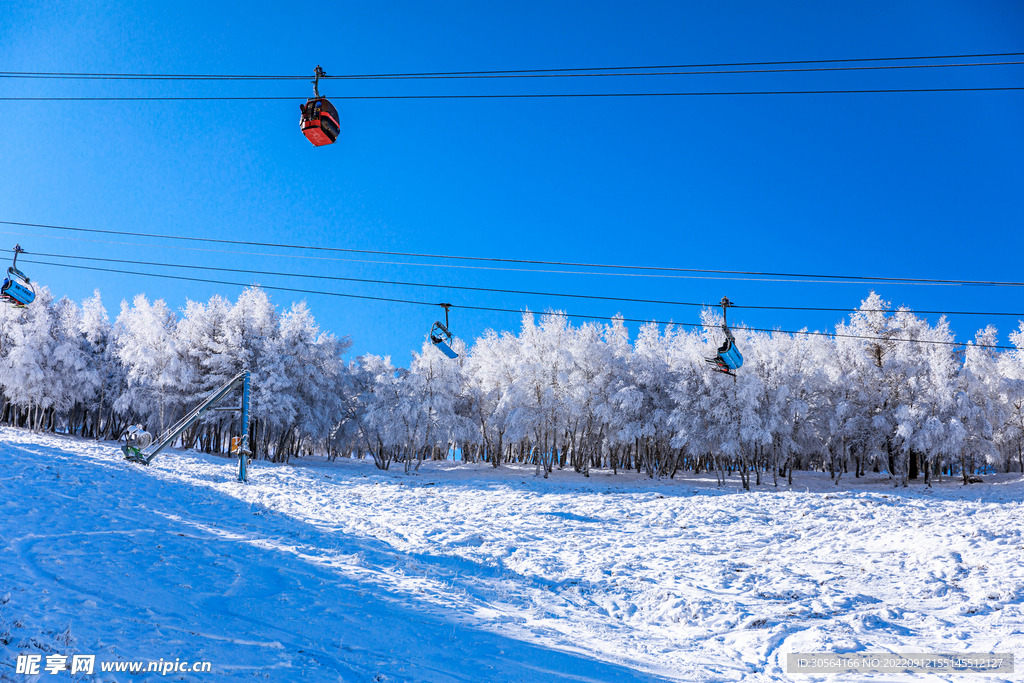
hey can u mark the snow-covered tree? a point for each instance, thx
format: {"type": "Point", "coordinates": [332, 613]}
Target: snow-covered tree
{"type": "Point", "coordinates": [888, 391]}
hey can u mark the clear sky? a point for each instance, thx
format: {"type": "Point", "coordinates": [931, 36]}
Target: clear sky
{"type": "Point", "coordinates": [897, 185]}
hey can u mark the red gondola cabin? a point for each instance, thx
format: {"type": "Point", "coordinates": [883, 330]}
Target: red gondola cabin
{"type": "Point", "coordinates": [319, 121]}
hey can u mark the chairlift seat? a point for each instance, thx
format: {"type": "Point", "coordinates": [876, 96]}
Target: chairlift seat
{"type": "Point", "coordinates": [442, 339]}
{"type": "Point", "coordinates": [728, 357]}
{"type": "Point", "coordinates": [17, 289]}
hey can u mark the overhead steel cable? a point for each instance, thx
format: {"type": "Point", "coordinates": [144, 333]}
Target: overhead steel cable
{"type": "Point", "coordinates": [705, 65]}
{"type": "Point", "coordinates": [247, 77]}
{"type": "Point", "coordinates": [510, 96]}
{"type": "Point", "coordinates": [459, 266]}
{"type": "Point", "coordinates": [571, 264]}
{"type": "Point", "coordinates": [719, 72]}
{"type": "Point", "coordinates": [510, 310]}
{"type": "Point", "coordinates": [595, 73]}
{"type": "Point", "coordinates": [595, 297]}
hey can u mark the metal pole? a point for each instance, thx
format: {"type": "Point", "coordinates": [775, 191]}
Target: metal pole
{"type": "Point", "coordinates": [243, 445]}
{"type": "Point", "coordinates": [191, 419]}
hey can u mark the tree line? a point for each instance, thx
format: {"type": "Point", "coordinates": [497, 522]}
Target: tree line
{"type": "Point", "coordinates": [65, 367]}
{"type": "Point", "coordinates": [872, 397]}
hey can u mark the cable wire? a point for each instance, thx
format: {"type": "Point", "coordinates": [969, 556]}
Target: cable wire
{"type": "Point", "coordinates": [511, 96]}
{"type": "Point", "coordinates": [690, 66]}
{"type": "Point", "coordinates": [502, 75]}
{"type": "Point", "coordinates": [542, 271]}
{"type": "Point", "coordinates": [510, 310]}
{"type": "Point", "coordinates": [244, 77]}
{"type": "Point", "coordinates": [500, 291]}
{"type": "Point", "coordinates": [607, 74]}
{"type": "Point", "coordinates": [860, 278]}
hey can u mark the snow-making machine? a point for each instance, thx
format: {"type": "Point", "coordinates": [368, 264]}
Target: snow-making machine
{"type": "Point", "coordinates": [138, 441]}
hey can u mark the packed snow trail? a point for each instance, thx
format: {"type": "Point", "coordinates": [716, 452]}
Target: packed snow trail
{"type": "Point", "coordinates": [336, 571]}
{"type": "Point", "coordinates": [102, 558]}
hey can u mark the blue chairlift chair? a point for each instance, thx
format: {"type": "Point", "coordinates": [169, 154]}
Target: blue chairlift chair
{"type": "Point", "coordinates": [441, 337]}
{"type": "Point", "coordinates": [728, 359]}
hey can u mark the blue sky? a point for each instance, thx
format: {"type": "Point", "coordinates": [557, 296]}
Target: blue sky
{"type": "Point", "coordinates": [897, 185]}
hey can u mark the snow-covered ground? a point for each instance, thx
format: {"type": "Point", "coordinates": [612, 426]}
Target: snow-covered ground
{"type": "Point", "coordinates": [336, 571]}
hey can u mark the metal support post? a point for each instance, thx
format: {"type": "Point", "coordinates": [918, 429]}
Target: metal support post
{"type": "Point", "coordinates": [243, 446]}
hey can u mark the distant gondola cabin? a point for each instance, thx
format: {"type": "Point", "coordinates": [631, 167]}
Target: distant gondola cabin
{"type": "Point", "coordinates": [319, 121]}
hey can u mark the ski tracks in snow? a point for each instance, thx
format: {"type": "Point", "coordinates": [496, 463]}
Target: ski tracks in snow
{"type": "Point", "coordinates": [101, 557]}
{"type": "Point", "coordinates": [469, 573]}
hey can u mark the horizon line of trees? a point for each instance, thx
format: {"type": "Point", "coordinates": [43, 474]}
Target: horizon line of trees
{"type": "Point", "coordinates": [553, 395]}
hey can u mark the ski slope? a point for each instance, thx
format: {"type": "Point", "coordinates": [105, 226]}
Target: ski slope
{"type": "Point", "coordinates": [340, 572]}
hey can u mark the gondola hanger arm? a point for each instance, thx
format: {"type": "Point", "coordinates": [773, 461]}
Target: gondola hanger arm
{"type": "Point", "coordinates": [725, 303]}
{"type": "Point", "coordinates": [317, 74]}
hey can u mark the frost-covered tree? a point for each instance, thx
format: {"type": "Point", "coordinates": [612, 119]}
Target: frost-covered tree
{"type": "Point", "coordinates": [490, 372]}
{"type": "Point", "coordinates": [99, 418]}
{"type": "Point", "coordinates": [147, 346]}
{"type": "Point", "coordinates": [1010, 434]}
{"type": "Point", "coordinates": [889, 391]}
